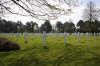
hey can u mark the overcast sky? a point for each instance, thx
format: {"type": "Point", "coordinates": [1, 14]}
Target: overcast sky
{"type": "Point", "coordinates": [75, 17]}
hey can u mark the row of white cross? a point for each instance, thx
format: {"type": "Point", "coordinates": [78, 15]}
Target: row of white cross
{"type": "Point", "coordinates": [44, 35]}
{"type": "Point", "coordinates": [65, 35]}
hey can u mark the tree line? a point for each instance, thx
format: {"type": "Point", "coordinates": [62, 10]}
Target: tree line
{"type": "Point", "coordinates": [86, 26]}
{"type": "Point", "coordinates": [31, 27]}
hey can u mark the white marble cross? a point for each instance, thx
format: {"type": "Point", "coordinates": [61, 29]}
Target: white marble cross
{"type": "Point", "coordinates": [44, 39]}
{"type": "Point", "coordinates": [94, 35]}
{"type": "Point", "coordinates": [87, 35]}
{"type": "Point", "coordinates": [65, 37]}
{"type": "Point", "coordinates": [78, 36]}
{"type": "Point", "coordinates": [26, 36]}
{"type": "Point", "coordinates": [57, 34]}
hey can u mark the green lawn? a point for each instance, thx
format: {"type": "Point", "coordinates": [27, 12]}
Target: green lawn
{"type": "Point", "coordinates": [85, 52]}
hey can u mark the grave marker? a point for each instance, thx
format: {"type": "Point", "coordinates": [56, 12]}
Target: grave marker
{"type": "Point", "coordinates": [94, 35]}
{"type": "Point", "coordinates": [78, 36]}
{"type": "Point", "coordinates": [87, 35]}
{"type": "Point", "coordinates": [26, 36]}
{"type": "Point", "coordinates": [44, 39]}
{"type": "Point", "coordinates": [65, 37]}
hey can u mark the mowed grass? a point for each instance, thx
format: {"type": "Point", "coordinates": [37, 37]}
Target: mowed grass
{"type": "Point", "coordinates": [83, 52]}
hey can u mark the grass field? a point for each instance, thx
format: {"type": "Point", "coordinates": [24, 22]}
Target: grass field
{"type": "Point", "coordinates": [85, 52]}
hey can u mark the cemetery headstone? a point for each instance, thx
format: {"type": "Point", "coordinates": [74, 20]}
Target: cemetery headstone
{"type": "Point", "coordinates": [78, 36]}
{"type": "Point", "coordinates": [44, 39]}
{"type": "Point", "coordinates": [57, 34]}
{"type": "Point", "coordinates": [65, 37]}
{"type": "Point", "coordinates": [87, 35]}
{"type": "Point", "coordinates": [26, 36]}
{"type": "Point", "coordinates": [94, 35]}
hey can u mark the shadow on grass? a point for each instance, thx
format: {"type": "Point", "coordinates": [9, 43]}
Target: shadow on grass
{"type": "Point", "coordinates": [26, 61]}
{"type": "Point", "coordinates": [24, 58]}
{"type": "Point", "coordinates": [82, 42]}
{"type": "Point", "coordinates": [77, 56]}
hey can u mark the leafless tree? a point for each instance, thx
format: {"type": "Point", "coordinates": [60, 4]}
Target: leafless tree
{"type": "Point", "coordinates": [91, 13]}
{"type": "Point", "coordinates": [39, 9]}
